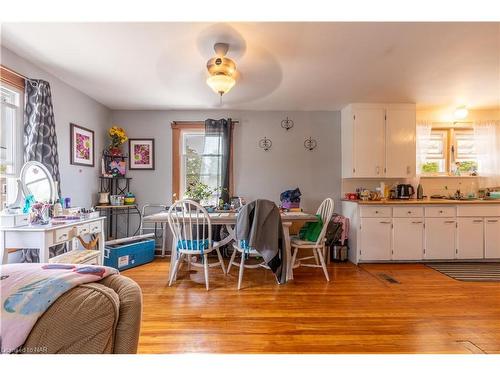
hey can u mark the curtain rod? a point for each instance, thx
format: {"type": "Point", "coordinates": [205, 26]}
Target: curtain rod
{"type": "Point", "coordinates": [452, 122]}
{"type": "Point", "coordinates": [197, 122]}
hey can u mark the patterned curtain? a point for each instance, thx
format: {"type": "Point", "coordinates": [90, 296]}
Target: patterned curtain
{"type": "Point", "coordinates": [40, 141]}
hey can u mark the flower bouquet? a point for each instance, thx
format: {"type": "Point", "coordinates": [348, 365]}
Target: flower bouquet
{"type": "Point", "coordinates": [118, 137]}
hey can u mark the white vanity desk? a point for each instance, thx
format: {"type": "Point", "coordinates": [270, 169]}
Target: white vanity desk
{"type": "Point", "coordinates": [43, 237]}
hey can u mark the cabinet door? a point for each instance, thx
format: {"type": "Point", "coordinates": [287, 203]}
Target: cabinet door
{"type": "Point", "coordinates": [470, 238]}
{"type": "Point", "coordinates": [440, 238]}
{"type": "Point", "coordinates": [375, 242]}
{"type": "Point", "coordinates": [369, 142]}
{"type": "Point", "coordinates": [408, 239]}
{"type": "Point", "coordinates": [492, 238]}
{"type": "Point", "coordinates": [400, 143]}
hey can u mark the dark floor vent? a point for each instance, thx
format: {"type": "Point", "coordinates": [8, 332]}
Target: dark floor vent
{"type": "Point", "coordinates": [388, 278]}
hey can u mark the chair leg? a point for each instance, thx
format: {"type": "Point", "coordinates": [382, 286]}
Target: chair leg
{"type": "Point", "coordinates": [205, 265]}
{"type": "Point", "coordinates": [316, 257]}
{"type": "Point", "coordinates": [221, 260]}
{"type": "Point", "coordinates": [323, 265]}
{"type": "Point", "coordinates": [242, 267]}
{"type": "Point", "coordinates": [295, 250]}
{"type": "Point", "coordinates": [233, 255]}
{"type": "Point", "coordinates": [173, 276]}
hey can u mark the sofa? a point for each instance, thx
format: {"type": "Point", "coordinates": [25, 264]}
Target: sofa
{"type": "Point", "coordinates": [94, 318]}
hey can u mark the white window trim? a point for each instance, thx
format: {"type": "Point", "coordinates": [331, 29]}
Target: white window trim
{"type": "Point", "coordinates": [18, 133]}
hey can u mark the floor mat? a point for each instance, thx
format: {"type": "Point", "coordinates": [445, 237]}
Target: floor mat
{"type": "Point", "coordinates": [469, 271]}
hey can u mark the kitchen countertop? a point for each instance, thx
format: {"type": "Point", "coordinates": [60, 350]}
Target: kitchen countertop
{"type": "Point", "coordinates": [423, 201]}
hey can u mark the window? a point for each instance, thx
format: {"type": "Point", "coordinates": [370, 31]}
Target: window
{"type": "Point", "coordinates": [196, 159]}
{"type": "Point", "coordinates": [201, 163]}
{"type": "Point", "coordinates": [11, 117]}
{"type": "Point", "coordinates": [449, 150]}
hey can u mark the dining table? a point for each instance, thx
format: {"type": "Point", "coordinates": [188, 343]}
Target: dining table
{"type": "Point", "coordinates": [228, 219]}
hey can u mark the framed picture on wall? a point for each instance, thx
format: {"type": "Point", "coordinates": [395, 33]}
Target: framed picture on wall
{"type": "Point", "coordinates": [82, 146]}
{"type": "Point", "coordinates": [141, 153]}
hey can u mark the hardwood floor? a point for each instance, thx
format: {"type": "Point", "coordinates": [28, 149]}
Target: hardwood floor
{"type": "Point", "coordinates": [359, 311]}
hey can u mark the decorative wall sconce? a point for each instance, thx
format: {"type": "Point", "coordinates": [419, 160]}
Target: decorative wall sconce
{"type": "Point", "coordinates": [287, 124]}
{"type": "Point", "coordinates": [265, 143]}
{"type": "Point", "coordinates": [310, 144]}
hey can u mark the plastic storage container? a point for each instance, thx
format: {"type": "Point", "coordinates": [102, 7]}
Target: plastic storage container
{"type": "Point", "coordinates": [130, 254]}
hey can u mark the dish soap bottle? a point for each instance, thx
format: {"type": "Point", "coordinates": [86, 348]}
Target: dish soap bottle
{"type": "Point", "coordinates": [420, 192]}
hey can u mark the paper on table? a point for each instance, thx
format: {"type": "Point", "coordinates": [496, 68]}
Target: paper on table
{"type": "Point", "coordinates": [295, 213]}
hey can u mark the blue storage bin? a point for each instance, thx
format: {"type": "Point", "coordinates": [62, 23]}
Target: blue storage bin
{"type": "Point", "coordinates": [131, 254]}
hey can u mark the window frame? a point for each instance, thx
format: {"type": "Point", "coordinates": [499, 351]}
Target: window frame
{"type": "Point", "coordinates": [14, 82]}
{"type": "Point", "coordinates": [18, 128]}
{"type": "Point", "coordinates": [450, 141]}
{"type": "Point", "coordinates": [178, 128]}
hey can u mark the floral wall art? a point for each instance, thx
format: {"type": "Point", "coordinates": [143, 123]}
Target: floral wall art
{"type": "Point", "coordinates": [82, 146]}
{"type": "Point", "coordinates": [141, 153]}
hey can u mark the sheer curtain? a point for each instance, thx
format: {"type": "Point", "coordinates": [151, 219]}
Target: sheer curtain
{"type": "Point", "coordinates": [216, 160]}
{"type": "Point", "coordinates": [424, 129]}
{"type": "Point", "coordinates": [487, 143]}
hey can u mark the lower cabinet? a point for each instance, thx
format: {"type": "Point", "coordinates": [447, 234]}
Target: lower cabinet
{"type": "Point", "coordinates": [470, 238]}
{"type": "Point", "coordinates": [492, 238]}
{"type": "Point", "coordinates": [375, 239]}
{"type": "Point", "coordinates": [440, 238]}
{"type": "Point", "coordinates": [408, 239]}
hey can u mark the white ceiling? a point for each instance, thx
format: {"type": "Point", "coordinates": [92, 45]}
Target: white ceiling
{"type": "Point", "coordinates": [283, 66]}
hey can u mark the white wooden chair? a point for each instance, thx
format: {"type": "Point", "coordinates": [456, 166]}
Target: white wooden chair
{"type": "Point", "coordinates": [192, 230]}
{"type": "Point", "coordinates": [244, 251]}
{"type": "Point", "coordinates": [318, 248]}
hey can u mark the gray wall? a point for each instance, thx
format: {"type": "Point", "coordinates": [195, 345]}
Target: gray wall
{"type": "Point", "coordinates": [70, 105]}
{"type": "Point", "coordinates": [257, 174]}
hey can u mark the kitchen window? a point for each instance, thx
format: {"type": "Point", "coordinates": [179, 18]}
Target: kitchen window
{"type": "Point", "coordinates": [450, 150]}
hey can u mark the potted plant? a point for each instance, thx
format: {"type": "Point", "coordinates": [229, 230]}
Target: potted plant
{"type": "Point", "coordinates": [198, 191]}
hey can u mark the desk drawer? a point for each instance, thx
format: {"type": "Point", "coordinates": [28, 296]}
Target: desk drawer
{"type": "Point", "coordinates": [440, 211]}
{"type": "Point", "coordinates": [408, 211]}
{"type": "Point", "coordinates": [82, 229]}
{"type": "Point", "coordinates": [95, 227]}
{"type": "Point", "coordinates": [62, 235]}
{"type": "Point", "coordinates": [21, 220]}
{"type": "Point", "coordinates": [375, 211]}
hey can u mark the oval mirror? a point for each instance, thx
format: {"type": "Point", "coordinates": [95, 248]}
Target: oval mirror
{"type": "Point", "coordinates": [36, 180]}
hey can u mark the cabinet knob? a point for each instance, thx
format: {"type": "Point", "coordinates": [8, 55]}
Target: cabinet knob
{"type": "Point", "coordinates": [408, 170]}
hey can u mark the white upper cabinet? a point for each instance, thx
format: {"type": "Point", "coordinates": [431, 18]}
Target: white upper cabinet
{"type": "Point", "coordinates": [378, 140]}
{"type": "Point", "coordinates": [400, 146]}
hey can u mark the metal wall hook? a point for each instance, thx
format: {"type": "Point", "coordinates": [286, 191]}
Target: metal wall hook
{"type": "Point", "coordinates": [310, 144]}
{"type": "Point", "coordinates": [287, 124]}
{"type": "Point", "coordinates": [265, 143]}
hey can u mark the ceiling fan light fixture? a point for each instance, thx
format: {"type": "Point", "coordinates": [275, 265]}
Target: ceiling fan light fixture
{"type": "Point", "coordinates": [221, 83]}
{"type": "Point", "coordinates": [221, 70]}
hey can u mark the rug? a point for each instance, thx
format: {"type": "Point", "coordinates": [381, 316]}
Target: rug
{"type": "Point", "coordinates": [469, 271]}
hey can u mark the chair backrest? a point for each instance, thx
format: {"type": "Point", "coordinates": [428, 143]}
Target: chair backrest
{"type": "Point", "coordinates": [190, 224]}
{"type": "Point", "coordinates": [325, 210]}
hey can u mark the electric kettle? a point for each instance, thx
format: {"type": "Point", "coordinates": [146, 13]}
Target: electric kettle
{"type": "Point", "coordinates": [404, 191]}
